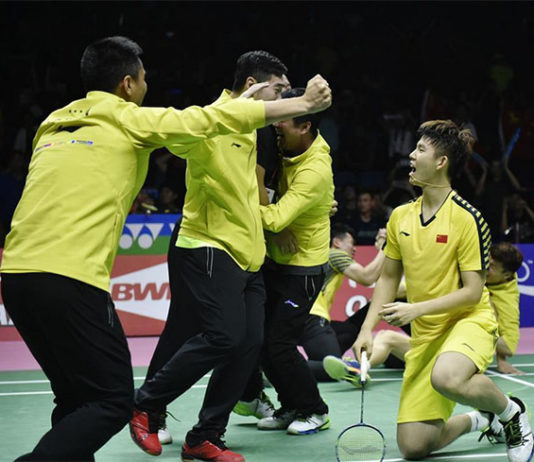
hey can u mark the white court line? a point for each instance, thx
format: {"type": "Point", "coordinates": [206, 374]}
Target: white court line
{"type": "Point", "coordinates": [497, 374]}
{"type": "Point", "coordinates": [19, 393]}
{"type": "Point", "coordinates": [455, 457]}
{"type": "Point", "coordinates": [511, 379]}
{"type": "Point", "coordinates": [22, 382]}
{"type": "Point", "coordinates": [385, 379]}
{"type": "Point", "coordinates": [385, 369]}
{"type": "Point", "coordinates": [25, 382]}
{"type": "Point", "coordinates": [389, 379]}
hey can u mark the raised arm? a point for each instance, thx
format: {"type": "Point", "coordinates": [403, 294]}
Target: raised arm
{"type": "Point", "coordinates": [513, 179]}
{"type": "Point", "coordinates": [368, 275]}
{"type": "Point", "coordinates": [156, 127]}
{"type": "Point", "coordinates": [317, 98]}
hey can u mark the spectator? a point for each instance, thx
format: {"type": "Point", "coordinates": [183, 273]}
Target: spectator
{"type": "Point", "coordinates": [518, 219]}
{"type": "Point", "coordinates": [348, 205]}
{"type": "Point", "coordinates": [366, 224]}
{"type": "Point", "coordinates": [144, 203]}
{"type": "Point", "coordinates": [400, 190]}
{"type": "Point", "coordinates": [492, 192]}
{"type": "Point", "coordinates": [381, 210]}
{"type": "Point", "coordinates": [167, 200]}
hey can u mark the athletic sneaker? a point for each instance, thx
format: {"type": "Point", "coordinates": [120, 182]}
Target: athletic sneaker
{"type": "Point", "coordinates": [214, 450]}
{"type": "Point", "coordinates": [144, 431]}
{"type": "Point", "coordinates": [280, 420]}
{"type": "Point", "coordinates": [344, 369]}
{"type": "Point", "coordinates": [519, 440]}
{"type": "Point", "coordinates": [259, 407]}
{"type": "Point", "coordinates": [306, 425]}
{"type": "Point", "coordinates": [164, 435]}
{"type": "Point", "coordinates": [494, 432]}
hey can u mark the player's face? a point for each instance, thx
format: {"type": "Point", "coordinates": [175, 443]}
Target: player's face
{"type": "Point", "coordinates": [496, 273]}
{"type": "Point", "coordinates": [346, 243]}
{"type": "Point", "coordinates": [274, 90]}
{"type": "Point", "coordinates": [423, 162]}
{"type": "Point", "coordinates": [139, 87]}
{"type": "Point", "coordinates": [288, 136]}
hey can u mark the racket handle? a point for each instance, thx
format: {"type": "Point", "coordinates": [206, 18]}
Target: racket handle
{"type": "Point", "coordinates": [364, 367]}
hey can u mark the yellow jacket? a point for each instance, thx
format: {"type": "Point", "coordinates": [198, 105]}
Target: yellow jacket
{"type": "Point", "coordinates": [306, 187]}
{"type": "Point", "coordinates": [89, 161]}
{"type": "Point", "coordinates": [221, 207]}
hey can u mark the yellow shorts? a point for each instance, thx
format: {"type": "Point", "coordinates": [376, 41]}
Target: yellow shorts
{"type": "Point", "coordinates": [419, 401]}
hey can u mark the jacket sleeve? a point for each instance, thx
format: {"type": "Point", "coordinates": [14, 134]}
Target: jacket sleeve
{"type": "Point", "coordinates": [179, 129]}
{"type": "Point", "coordinates": [306, 189]}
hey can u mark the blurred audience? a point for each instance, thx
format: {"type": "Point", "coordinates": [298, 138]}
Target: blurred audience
{"type": "Point", "coordinates": [381, 94]}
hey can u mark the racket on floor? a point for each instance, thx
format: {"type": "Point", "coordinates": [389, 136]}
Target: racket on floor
{"type": "Point", "coordinates": [361, 442]}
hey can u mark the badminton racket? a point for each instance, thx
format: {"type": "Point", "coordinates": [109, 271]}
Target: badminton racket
{"type": "Point", "coordinates": [361, 442]}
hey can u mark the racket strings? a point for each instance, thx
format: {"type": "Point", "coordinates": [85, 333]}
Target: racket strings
{"type": "Point", "coordinates": [360, 443]}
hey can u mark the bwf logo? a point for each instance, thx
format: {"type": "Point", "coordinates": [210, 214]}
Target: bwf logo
{"type": "Point", "coordinates": [138, 291]}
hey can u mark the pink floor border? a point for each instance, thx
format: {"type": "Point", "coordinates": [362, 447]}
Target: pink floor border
{"type": "Point", "coordinates": [15, 356]}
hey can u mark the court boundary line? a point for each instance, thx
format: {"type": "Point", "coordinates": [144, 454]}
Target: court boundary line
{"type": "Point", "coordinates": [511, 379]}
{"type": "Point", "coordinates": [445, 457]}
{"type": "Point", "coordinates": [50, 392]}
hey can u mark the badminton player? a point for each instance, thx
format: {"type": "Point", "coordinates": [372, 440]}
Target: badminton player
{"type": "Point", "coordinates": [216, 320]}
{"type": "Point", "coordinates": [441, 243]}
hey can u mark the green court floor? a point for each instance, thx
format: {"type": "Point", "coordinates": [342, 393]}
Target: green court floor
{"type": "Point", "coordinates": [26, 403]}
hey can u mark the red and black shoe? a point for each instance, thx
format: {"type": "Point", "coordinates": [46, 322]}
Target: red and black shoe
{"type": "Point", "coordinates": [215, 451]}
{"type": "Point", "coordinates": [144, 432]}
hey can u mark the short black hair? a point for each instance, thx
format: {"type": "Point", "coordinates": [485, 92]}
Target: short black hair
{"type": "Point", "coordinates": [449, 140]}
{"type": "Point", "coordinates": [258, 64]}
{"type": "Point", "coordinates": [508, 255]}
{"type": "Point", "coordinates": [107, 61]}
{"type": "Point", "coordinates": [339, 230]}
{"type": "Point", "coordinates": [314, 119]}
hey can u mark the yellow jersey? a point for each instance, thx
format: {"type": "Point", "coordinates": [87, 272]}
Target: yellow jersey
{"type": "Point", "coordinates": [505, 299]}
{"type": "Point", "coordinates": [306, 190]}
{"type": "Point", "coordinates": [434, 253]}
{"type": "Point", "coordinates": [89, 161]}
{"type": "Point", "coordinates": [338, 262]}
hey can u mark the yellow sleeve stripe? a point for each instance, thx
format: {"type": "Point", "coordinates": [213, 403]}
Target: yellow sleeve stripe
{"type": "Point", "coordinates": [340, 261]}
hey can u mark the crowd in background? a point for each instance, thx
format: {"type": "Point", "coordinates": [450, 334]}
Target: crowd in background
{"type": "Point", "coordinates": [373, 54]}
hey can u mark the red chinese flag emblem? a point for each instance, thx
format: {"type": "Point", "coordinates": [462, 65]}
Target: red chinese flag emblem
{"type": "Point", "coordinates": [442, 238]}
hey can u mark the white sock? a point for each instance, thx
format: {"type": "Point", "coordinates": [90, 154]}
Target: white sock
{"type": "Point", "coordinates": [511, 409]}
{"type": "Point", "coordinates": [479, 421]}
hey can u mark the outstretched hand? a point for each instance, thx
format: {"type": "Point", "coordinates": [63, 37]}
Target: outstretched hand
{"type": "Point", "coordinates": [253, 89]}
